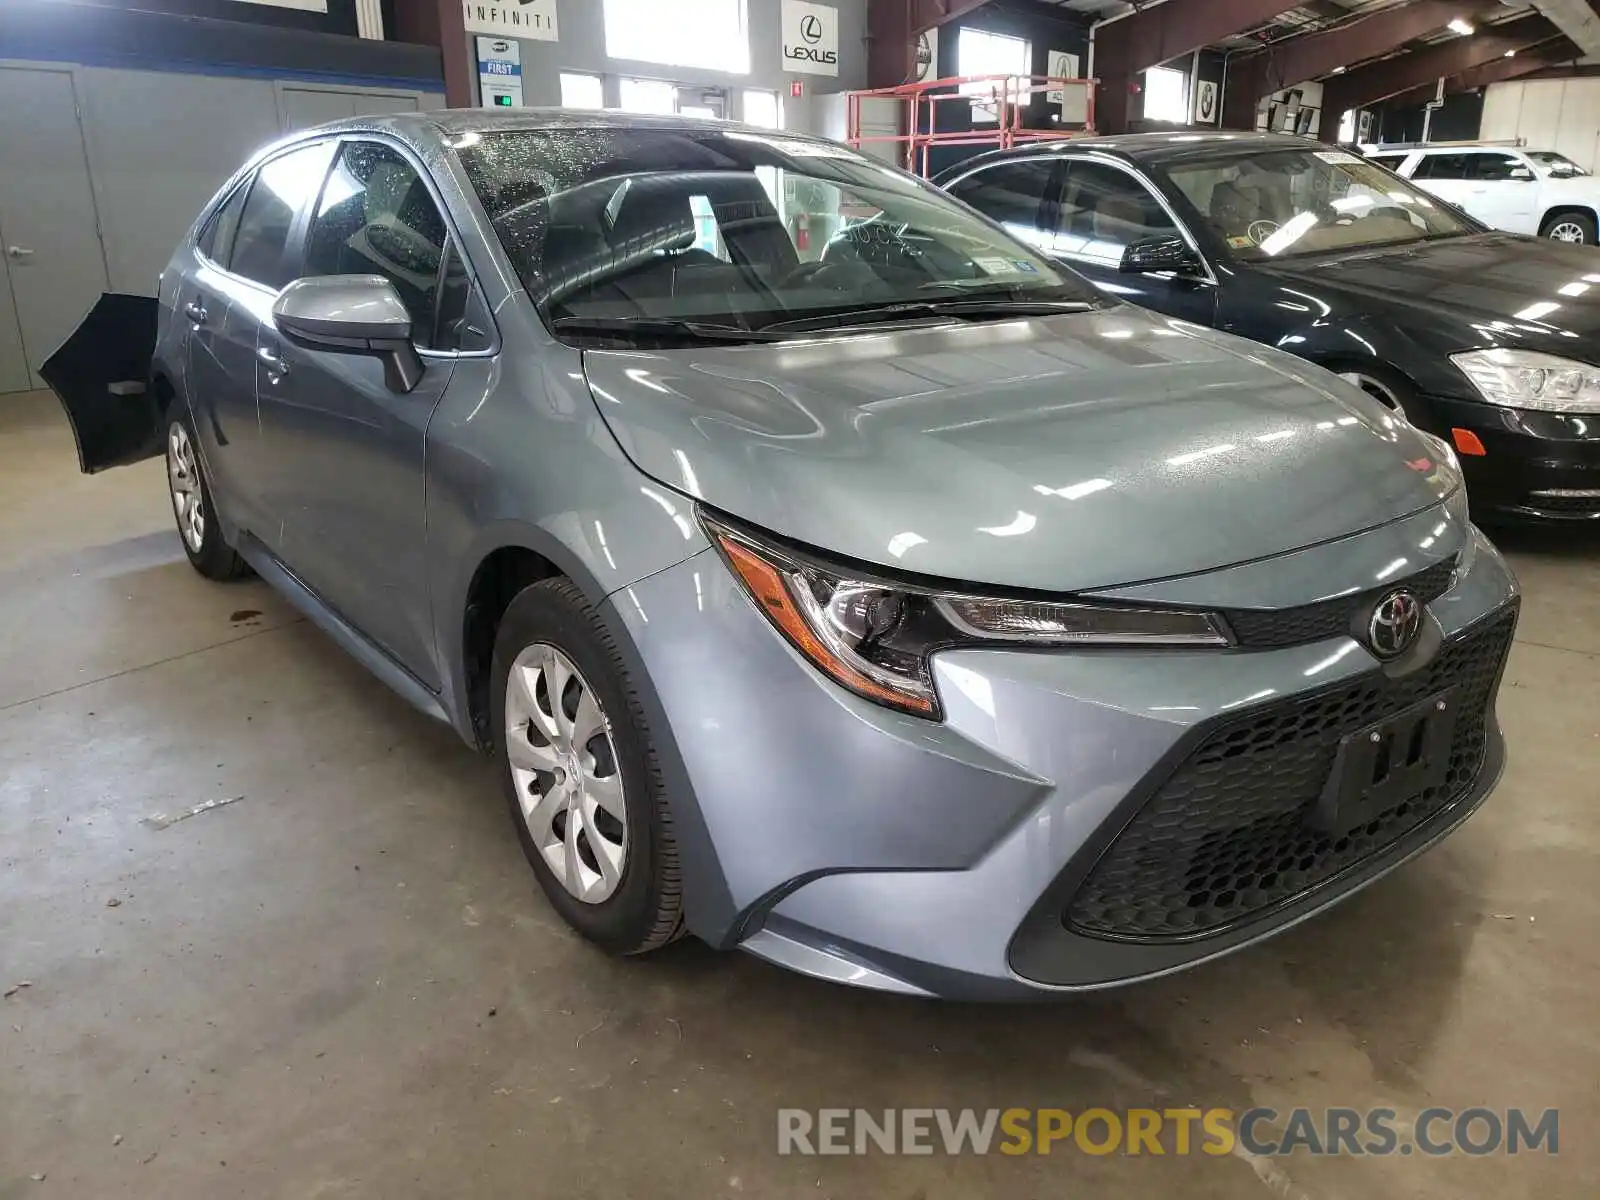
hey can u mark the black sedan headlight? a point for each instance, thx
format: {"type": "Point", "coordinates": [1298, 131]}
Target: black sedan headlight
{"type": "Point", "coordinates": [875, 636]}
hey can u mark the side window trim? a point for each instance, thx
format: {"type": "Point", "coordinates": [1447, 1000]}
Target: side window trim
{"type": "Point", "coordinates": [452, 240]}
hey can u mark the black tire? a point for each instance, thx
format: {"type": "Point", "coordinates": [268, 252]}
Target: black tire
{"type": "Point", "coordinates": [1574, 220]}
{"type": "Point", "coordinates": [213, 558]}
{"type": "Point", "coordinates": [645, 911]}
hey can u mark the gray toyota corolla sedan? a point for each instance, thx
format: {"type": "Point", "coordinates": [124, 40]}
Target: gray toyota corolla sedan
{"type": "Point", "coordinates": [915, 618]}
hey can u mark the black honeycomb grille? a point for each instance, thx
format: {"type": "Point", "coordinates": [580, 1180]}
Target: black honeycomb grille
{"type": "Point", "coordinates": [1227, 836]}
{"type": "Point", "coordinates": [1266, 629]}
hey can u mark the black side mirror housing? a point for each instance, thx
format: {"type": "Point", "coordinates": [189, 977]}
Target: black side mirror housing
{"type": "Point", "coordinates": [352, 314]}
{"type": "Point", "coordinates": [1161, 252]}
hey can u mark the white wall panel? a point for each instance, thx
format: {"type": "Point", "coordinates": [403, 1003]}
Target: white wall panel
{"type": "Point", "coordinates": [1547, 114]}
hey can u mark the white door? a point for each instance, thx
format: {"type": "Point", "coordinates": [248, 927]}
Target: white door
{"type": "Point", "coordinates": [1502, 192]}
{"type": "Point", "coordinates": [48, 227]}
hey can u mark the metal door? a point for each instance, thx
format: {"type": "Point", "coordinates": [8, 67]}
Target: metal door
{"type": "Point", "coordinates": [48, 224]}
{"type": "Point", "coordinates": [14, 375]}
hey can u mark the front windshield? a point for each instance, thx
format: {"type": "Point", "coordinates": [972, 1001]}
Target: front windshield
{"type": "Point", "coordinates": [733, 228]}
{"type": "Point", "coordinates": [1552, 163]}
{"type": "Point", "coordinates": [1287, 203]}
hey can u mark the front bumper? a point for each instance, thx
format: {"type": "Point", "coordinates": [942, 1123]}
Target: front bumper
{"type": "Point", "coordinates": [1538, 466]}
{"type": "Point", "coordinates": [856, 844]}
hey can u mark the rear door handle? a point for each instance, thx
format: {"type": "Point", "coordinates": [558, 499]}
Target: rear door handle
{"type": "Point", "coordinates": [195, 311]}
{"type": "Point", "coordinates": [18, 252]}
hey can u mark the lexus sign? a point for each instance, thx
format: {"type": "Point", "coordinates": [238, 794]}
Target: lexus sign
{"type": "Point", "coordinates": [810, 38]}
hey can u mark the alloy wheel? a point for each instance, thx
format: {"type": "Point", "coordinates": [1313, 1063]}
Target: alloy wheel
{"type": "Point", "coordinates": [1567, 231]}
{"type": "Point", "coordinates": [564, 766]}
{"type": "Point", "coordinates": [183, 477]}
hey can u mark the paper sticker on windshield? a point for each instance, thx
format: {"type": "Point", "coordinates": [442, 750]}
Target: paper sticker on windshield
{"type": "Point", "coordinates": [1024, 266]}
{"type": "Point", "coordinates": [998, 266]}
{"type": "Point", "coordinates": [1241, 241]}
{"type": "Point", "coordinates": [1337, 156]}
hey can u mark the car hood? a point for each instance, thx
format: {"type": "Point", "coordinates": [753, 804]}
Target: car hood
{"type": "Point", "coordinates": [1065, 454]}
{"type": "Point", "coordinates": [1577, 188]}
{"type": "Point", "coordinates": [1475, 281]}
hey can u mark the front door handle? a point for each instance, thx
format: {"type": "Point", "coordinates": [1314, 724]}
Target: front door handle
{"type": "Point", "coordinates": [276, 367]}
{"type": "Point", "coordinates": [195, 311]}
{"type": "Point", "coordinates": [18, 252]}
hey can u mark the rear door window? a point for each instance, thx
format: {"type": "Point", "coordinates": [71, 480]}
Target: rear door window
{"type": "Point", "coordinates": [1443, 166]}
{"type": "Point", "coordinates": [216, 239]}
{"type": "Point", "coordinates": [281, 189]}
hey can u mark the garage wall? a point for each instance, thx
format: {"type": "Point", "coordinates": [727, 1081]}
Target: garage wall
{"type": "Point", "coordinates": [144, 185]}
{"type": "Point", "coordinates": [582, 47]}
{"type": "Point", "coordinates": [1547, 114]}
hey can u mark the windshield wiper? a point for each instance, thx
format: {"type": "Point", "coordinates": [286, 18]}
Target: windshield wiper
{"type": "Point", "coordinates": [913, 310]}
{"type": "Point", "coordinates": [658, 327]}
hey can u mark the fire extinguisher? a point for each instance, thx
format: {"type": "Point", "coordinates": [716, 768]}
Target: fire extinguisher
{"type": "Point", "coordinates": [802, 231]}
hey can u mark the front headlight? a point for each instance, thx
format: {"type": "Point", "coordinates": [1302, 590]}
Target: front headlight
{"type": "Point", "coordinates": [875, 636]}
{"type": "Point", "coordinates": [1528, 379]}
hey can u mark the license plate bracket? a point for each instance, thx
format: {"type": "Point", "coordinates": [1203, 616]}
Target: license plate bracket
{"type": "Point", "coordinates": [1383, 764]}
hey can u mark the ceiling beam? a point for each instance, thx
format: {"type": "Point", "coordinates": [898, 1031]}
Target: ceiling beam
{"type": "Point", "coordinates": [1253, 77]}
{"type": "Point", "coordinates": [1547, 54]}
{"type": "Point", "coordinates": [1122, 49]}
{"type": "Point", "coordinates": [1390, 76]}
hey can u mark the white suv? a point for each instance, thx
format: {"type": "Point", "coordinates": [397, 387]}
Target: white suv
{"type": "Point", "coordinates": [1520, 191]}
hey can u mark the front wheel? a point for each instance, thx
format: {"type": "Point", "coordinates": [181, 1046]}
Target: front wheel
{"type": "Point", "coordinates": [1575, 228]}
{"type": "Point", "coordinates": [580, 772]}
{"type": "Point", "coordinates": [193, 509]}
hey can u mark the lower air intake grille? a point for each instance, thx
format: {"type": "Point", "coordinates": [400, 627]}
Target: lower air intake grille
{"type": "Point", "coordinates": [1228, 836]}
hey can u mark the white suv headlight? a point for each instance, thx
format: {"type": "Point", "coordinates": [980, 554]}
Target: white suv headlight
{"type": "Point", "coordinates": [1528, 379]}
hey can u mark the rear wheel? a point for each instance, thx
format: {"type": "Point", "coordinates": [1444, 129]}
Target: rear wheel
{"type": "Point", "coordinates": [1574, 227]}
{"type": "Point", "coordinates": [580, 772]}
{"type": "Point", "coordinates": [192, 507]}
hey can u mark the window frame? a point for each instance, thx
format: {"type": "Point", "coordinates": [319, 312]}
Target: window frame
{"type": "Point", "coordinates": [300, 236]}
{"type": "Point", "coordinates": [290, 258]}
{"type": "Point", "coordinates": [1149, 185]}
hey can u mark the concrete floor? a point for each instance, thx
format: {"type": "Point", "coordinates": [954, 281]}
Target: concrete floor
{"type": "Point", "coordinates": [345, 984]}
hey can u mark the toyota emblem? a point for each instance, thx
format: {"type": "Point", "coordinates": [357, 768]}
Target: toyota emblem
{"type": "Point", "coordinates": [811, 29]}
{"type": "Point", "coordinates": [1395, 623]}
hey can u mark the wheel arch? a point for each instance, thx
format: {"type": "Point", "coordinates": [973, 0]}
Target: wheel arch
{"type": "Point", "coordinates": [1576, 210]}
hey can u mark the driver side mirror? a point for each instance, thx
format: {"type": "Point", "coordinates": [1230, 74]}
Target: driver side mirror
{"type": "Point", "coordinates": [1161, 252]}
{"type": "Point", "coordinates": [352, 314]}
{"type": "Point", "coordinates": [1522, 174]}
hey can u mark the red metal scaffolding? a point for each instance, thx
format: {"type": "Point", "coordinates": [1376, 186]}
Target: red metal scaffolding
{"type": "Point", "coordinates": [1008, 95]}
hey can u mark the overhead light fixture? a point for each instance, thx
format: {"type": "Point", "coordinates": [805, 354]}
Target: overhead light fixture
{"type": "Point", "coordinates": [1340, 70]}
{"type": "Point", "coordinates": [1461, 27]}
{"type": "Point", "coordinates": [1510, 54]}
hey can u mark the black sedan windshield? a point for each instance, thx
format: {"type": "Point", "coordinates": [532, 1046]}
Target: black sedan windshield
{"type": "Point", "coordinates": [700, 230]}
{"type": "Point", "coordinates": [1286, 203]}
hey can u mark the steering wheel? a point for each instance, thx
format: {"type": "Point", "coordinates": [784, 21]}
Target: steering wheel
{"type": "Point", "coordinates": [805, 271]}
{"type": "Point", "coordinates": [1260, 231]}
{"type": "Point", "coordinates": [1392, 211]}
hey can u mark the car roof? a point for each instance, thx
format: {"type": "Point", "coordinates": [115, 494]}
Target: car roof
{"type": "Point", "coordinates": [447, 123]}
{"type": "Point", "coordinates": [1156, 149]}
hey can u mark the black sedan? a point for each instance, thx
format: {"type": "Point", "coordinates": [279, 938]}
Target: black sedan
{"type": "Point", "coordinates": [1487, 339]}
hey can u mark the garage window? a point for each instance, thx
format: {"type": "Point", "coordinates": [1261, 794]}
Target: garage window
{"type": "Point", "coordinates": [980, 52]}
{"type": "Point", "coordinates": [710, 34]}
